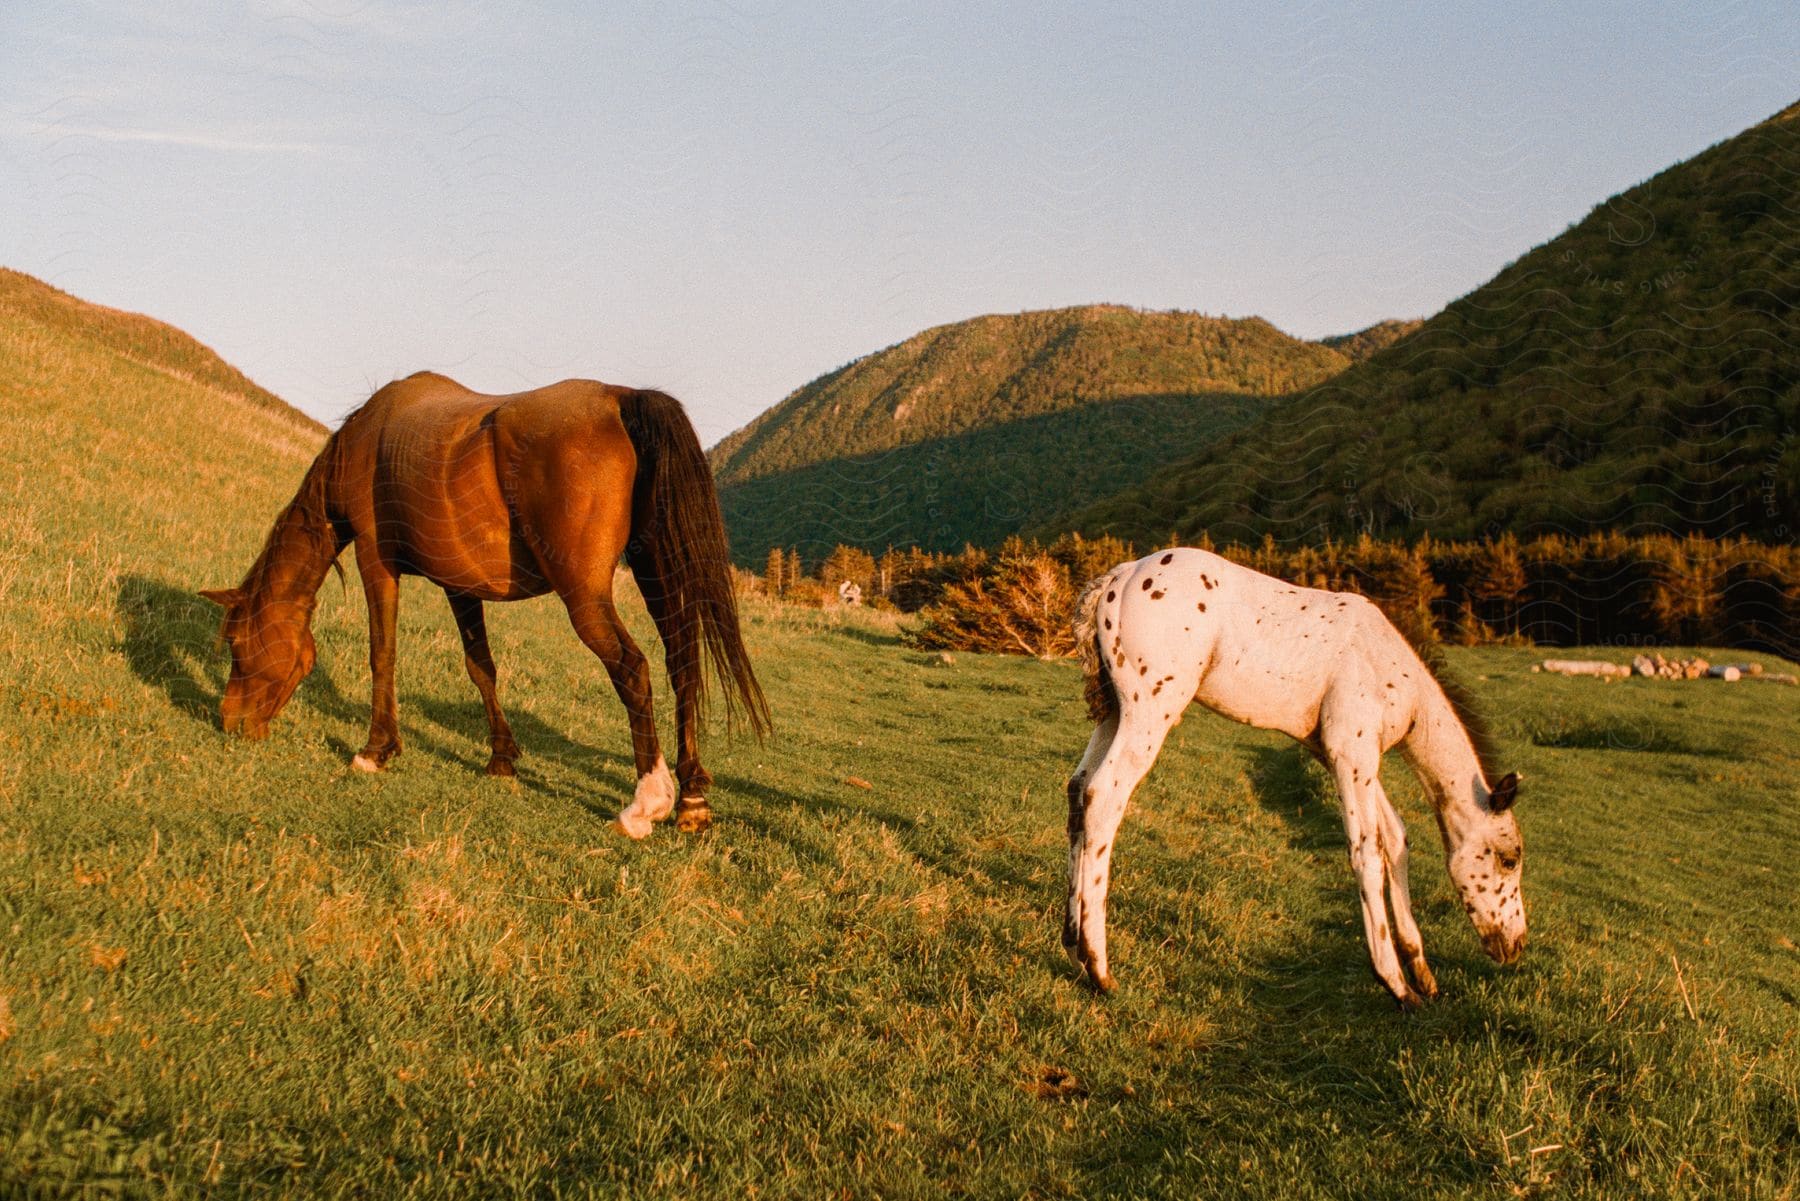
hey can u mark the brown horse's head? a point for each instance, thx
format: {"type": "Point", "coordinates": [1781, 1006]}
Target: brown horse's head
{"type": "Point", "coordinates": [271, 652]}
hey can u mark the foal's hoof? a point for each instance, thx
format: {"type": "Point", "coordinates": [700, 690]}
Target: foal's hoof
{"type": "Point", "coordinates": [693, 819]}
{"type": "Point", "coordinates": [501, 767]}
{"type": "Point", "coordinates": [1409, 1001]}
{"type": "Point", "coordinates": [363, 762]}
{"type": "Point", "coordinates": [1103, 983]}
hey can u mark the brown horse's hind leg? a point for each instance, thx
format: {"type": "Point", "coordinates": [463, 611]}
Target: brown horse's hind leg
{"type": "Point", "coordinates": [681, 652]}
{"type": "Point", "coordinates": [381, 589]}
{"type": "Point", "coordinates": [597, 623]}
{"type": "Point", "coordinates": [472, 625]}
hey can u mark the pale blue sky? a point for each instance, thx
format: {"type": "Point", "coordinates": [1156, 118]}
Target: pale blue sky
{"type": "Point", "coordinates": [726, 199]}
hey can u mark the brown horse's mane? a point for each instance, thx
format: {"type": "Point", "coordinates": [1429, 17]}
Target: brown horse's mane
{"type": "Point", "coordinates": [305, 514]}
{"type": "Point", "coordinates": [1462, 702]}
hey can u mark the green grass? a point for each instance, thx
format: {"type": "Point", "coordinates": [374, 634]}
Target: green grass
{"type": "Point", "coordinates": [233, 969]}
{"type": "Point", "coordinates": [241, 966]}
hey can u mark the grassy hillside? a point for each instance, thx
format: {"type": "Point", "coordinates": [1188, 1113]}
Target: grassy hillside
{"type": "Point", "coordinates": [1639, 372]}
{"type": "Point", "coordinates": [50, 325]}
{"type": "Point", "coordinates": [233, 969]}
{"type": "Point", "coordinates": [967, 431]}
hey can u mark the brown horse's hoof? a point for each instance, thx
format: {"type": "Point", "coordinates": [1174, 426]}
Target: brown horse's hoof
{"type": "Point", "coordinates": [501, 767]}
{"type": "Point", "coordinates": [1103, 985]}
{"type": "Point", "coordinates": [694, 819]}
{"type": "Point", "coordinates": [364, 762]}
{"type": "Point", "coordinates": [633, 826]}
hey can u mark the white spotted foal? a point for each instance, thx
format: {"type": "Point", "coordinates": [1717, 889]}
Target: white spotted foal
{"type": "Point", "coordinates": [1326, 668]}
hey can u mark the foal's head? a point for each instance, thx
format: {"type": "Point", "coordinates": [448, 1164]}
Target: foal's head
{"type": "Point", "coordinates": [1486, 864]}
{"type": "Point", "coordinates": [271, 652]}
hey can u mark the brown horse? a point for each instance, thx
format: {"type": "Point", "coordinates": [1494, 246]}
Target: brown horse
{"type": "Point", "coordinates": [497, 498]}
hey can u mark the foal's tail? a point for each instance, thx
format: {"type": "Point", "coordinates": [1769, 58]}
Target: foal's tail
{"type": "Point", "coordinates": [678, 535]}
{"type": "Point", "coordinates": [1102, 701]}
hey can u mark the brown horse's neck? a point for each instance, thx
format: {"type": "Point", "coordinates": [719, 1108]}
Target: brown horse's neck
{"type": "Point", "coordinates": [301, 548]}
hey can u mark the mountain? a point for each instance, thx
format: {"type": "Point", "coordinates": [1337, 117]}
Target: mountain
{"type": "Point", "coordinates": [1640, 372]}
{"type": "Point", "coordinates": [1365, 343]}
{"type": "Point", "coordinates": [971, 431]}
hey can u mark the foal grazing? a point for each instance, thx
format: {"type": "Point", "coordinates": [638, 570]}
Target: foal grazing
{"type": "Point", "coordinates": [1326, 668]}
{"type": "Point", "coordinates": [498, 498]}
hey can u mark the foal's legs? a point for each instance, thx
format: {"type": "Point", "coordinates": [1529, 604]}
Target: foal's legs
{"type": "Point", "coordinates": [1079, 794]}
{"type": "Point", "coordinates": [472, 625]}
{"type": "Point", "coordinates": [1354, 762]}
{"type": "Point", "coordinates": [381, 589]}
{"type": "Point", "coordinates": [599, 626]}
{"type": "Point", "coordinates": [1406, 929]}
{"type": "Point", "coordinates": [1123, 764]}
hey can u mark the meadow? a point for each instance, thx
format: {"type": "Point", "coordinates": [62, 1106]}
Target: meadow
{"type": "Point", "coordinates": [233, 969]}
{"type": "Point", "coordinates": [241, 969]}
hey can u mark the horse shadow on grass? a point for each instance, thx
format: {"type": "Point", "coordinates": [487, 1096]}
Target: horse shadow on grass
{"type": "Point", "coordinates": [1314, 1040]}
{"type": "Point", "coordinates": [171, 643]}
{"type": "Point", "coordinates": [1291, 786]}
{"type": "Point", "coordinates": [598, 779]}
{"type": "Point", "coordinates": [538, 740]}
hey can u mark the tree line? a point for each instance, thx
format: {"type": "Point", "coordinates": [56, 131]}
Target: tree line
{"type": "Point", "coordinates": [1597, 589]}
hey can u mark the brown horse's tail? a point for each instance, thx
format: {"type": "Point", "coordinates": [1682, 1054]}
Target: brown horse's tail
{"type": "Point", "coordinates": [679, 554]}
{"type": "Point", "coordinates": [1102, 701]}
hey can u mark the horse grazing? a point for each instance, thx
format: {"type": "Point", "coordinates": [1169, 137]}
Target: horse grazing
{"type": "Point", "coordinates": [1326, 668]}
{"type": "Point", "coordinates": [498, 498]}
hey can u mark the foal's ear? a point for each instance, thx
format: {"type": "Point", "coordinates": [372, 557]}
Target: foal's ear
{"type": "Point", "coordinates": [1505, 794]}
{"type": "Point", "coordinates": [222, 596]}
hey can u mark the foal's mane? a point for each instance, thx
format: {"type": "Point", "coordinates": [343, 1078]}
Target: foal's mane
{"type": "Point", "coordinates": [1462, 701]}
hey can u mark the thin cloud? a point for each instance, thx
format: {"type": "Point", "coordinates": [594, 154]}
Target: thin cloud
{"type": "Point", "coordinates": [200, 139]}
{"type": "Point", "coordinates": [404, 23]}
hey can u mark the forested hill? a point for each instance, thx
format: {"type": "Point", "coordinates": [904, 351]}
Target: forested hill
{"type": "Point", "coordinates": [972, 431]}
{"type": "Point", "coordinates": [991, 370]}
{"type": "Point", "coordinates": [1365, 343]}
{"type": "Point", "coordinates": [1640, 372]}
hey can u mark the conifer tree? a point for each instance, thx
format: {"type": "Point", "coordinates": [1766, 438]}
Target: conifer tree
{"type": "Point", "coordinates": [774, 572]}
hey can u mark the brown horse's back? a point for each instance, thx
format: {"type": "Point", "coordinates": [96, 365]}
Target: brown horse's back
{"type": "Point", "coordinates": [496, 497]}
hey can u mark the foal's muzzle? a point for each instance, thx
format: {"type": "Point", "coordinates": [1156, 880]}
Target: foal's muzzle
{"type": "Point", "coordinates": [1502, 947]}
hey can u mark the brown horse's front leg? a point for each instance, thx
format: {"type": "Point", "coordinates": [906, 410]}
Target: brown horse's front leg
{"type": "Point", "coordinates": [472, 625]}
{"type": "Point", "coordinates": [381, 589]}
